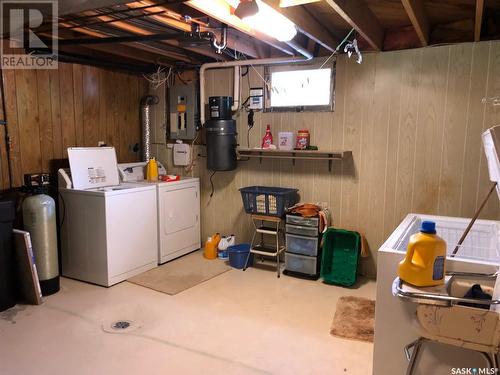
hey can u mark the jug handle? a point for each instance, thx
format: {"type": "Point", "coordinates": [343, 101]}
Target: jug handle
{"type": "Point", "coordinates": [409, 253]}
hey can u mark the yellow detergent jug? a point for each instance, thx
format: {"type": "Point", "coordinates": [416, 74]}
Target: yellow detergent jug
{"type": "Point", "coordinates": [210, 251]}
{"type": "Point", "coordinates": [424, 264]}
{"type": "Point", "coordinates": [152, 170]}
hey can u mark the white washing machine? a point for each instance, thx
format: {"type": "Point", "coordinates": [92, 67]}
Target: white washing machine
{"type": "Point", "coordinates": [178, 211]}
{"type": "Point", "coordinates": [109, 230]}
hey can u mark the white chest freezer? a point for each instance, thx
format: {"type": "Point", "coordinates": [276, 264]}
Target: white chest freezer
{"type": "Point", "coordinates": [395, 320]}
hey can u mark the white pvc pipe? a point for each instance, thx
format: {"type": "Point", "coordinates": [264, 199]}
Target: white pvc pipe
{"type": "Point", "coordinates": [236, 89]}
{"type": "Point", "coordinates": [238, 63]}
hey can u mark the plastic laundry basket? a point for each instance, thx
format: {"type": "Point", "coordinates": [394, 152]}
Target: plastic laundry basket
{"type": "Point", "coordinates": [271, 201]}
{"type": "Point", "coordinates": [341, 250]}
{"type": "Point", "coordinates": [238, 255]}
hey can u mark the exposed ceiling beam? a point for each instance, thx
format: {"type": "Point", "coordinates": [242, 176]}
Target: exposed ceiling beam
{"type": "Point", "coordinates": [139, 46]}
{"type": "Point", "coordinates": [120, 53]}
{"type": "Point", "coordinates": [233, 42]}
{"type": "Point", "coordinates": [357, 14]}
{"type": "Point", "coordinates": [77, 6]}
{"type": "Point", "coordinates": [126, 26]}
{"type": "Point", "coordinates": [307, 24]}
{"type": "Point", "coordinates": [479, 20]}
{"type": "Point", "coordinates": [416, 13]}
{"type": "Point", "coordinates": [292, 3]}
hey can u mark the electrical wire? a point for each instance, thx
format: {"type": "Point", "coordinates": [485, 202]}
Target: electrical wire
{"type": "Point", "coordinates": [160, 77]}
{"type": "Point", "coordinates": [337, 48]}
{"type": "Point", "coordinates": [248, 137]}
{"type": "Point", "coordinates": [189, 168]}
{"type": "Point", "coordinates": [212, 184]}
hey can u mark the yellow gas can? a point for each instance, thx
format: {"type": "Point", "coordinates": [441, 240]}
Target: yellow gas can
{"type": "Point", "coordinates": [424, 264]}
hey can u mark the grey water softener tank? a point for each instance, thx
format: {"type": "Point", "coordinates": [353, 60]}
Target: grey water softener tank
{"type": "Point", "coordinates": [221, 135]}
{"type": "Point", "coordinates": [39, 216]}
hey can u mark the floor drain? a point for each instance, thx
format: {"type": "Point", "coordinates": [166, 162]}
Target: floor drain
{"type": "Point", "coordinates": [121, 324]}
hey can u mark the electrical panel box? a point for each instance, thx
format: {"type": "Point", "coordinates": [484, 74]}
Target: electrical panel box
{"type": "Point", "coordinates": [183, 108]}
{"type": "Point", "coordinates": [256, 98]}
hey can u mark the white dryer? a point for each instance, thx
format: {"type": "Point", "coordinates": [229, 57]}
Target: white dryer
{"type": "Point", "coordinates": [178, 210]}
{"type": "Point", "coordinates": [109, 230]}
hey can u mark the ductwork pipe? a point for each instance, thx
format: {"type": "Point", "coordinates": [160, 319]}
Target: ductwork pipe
{"type": "Point", "coordinates": [238, 63]}
{"type": "Point", "coordinates": [146, 103]}
{"type": "Point", "coordinates": [236, 89]}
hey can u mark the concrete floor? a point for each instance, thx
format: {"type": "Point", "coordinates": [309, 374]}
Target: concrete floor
{"type": "Point", "coordinates": [236, 323]}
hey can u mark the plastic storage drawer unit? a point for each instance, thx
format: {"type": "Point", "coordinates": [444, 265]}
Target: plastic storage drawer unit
{"type": "Point", "coordinates": [302, 245]}
{"type": "Point", "coordinates": [302, 264]}
{"type": "Point", "coordinates": [305, 221]}
{"type": "Point", "coordinates": [302, 231]}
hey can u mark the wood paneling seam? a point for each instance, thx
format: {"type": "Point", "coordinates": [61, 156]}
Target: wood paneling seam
{"type": "Point", "coordinates": [443, 130]}
{"type": "Point", "coordinates": [466, 128]}
{"type": "Point", "coordinates": [484, 120]}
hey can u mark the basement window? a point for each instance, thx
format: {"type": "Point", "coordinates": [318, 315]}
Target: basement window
{"type": "Point", "coordinates": [299, 88]}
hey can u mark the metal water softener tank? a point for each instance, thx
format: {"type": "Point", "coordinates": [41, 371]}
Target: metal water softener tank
{"type": "Point", "coordinates": [221, 135]}
{"type": "Point", "coordinates": [39, 216]}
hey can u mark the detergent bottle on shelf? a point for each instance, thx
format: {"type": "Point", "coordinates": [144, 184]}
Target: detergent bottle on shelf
{"type": "Point", "coordinates": [211, 246]}
{"type": "Point", "coordinates": [267, 141]}
{"type": "Point", "coordinates": [424, 264]}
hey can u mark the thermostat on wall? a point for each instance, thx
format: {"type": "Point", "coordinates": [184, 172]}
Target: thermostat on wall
{"type": "Point", "coordinates": [256, 98]}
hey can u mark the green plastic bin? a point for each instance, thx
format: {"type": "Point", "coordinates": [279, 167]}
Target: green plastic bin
{"type": "Point", "coordinates": [341, 250]}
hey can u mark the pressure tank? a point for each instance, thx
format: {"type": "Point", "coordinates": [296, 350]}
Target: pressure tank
{"type": "Point", "coordinates": [39, 217]}
{"type": "Point", "coordinates": [221, 135]}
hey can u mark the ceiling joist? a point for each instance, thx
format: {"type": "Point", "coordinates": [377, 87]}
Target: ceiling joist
{"type": "Point", "coordinates": [138, 46]}
{"type": "Point", "coordinates": [357, 14]}
{"type": "Point", "coordinates": [307, 24]}
{"type": "Point", "coordinates": [479, 20]}
{"type": "Point", "coordinates": [126, 26]}
{"type": "Point", "coordinates": [416, 13]}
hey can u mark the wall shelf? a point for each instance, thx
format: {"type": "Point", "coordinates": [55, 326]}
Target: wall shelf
{"type": "Point", "coordinates": [293, 154]}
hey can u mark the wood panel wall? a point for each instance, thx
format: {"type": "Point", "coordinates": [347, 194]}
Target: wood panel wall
{"type": "Point", "coordinates": [75, 105]}
{"type": "Point", "coordinates": [413, 120]}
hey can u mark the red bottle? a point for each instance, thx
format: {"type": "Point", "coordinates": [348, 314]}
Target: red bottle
{"type": "Point", "coordinates": [267, 141]}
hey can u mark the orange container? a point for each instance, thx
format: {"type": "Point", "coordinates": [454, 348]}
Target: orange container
{"type": "Point", "coordinates": [210, 251]}
{"type": "Point", "coordinates": [302, 141]}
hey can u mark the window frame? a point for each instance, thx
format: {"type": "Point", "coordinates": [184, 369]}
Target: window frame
{"type": "Point", "coordinates": [314, 64]}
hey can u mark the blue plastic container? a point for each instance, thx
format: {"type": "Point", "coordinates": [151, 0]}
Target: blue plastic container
{"type": "Point", "coordinates": [271, 201]}
{"type": "Point", "coordinates": [238, 255]}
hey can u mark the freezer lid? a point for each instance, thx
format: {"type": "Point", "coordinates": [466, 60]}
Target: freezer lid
{"type": "Point", "coordinates": [93, 167]}
{"type": "Point", "coordinates": [491, 142]}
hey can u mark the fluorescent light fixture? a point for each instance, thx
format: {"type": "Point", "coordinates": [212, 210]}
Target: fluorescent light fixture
{"type": "Point", "coordinates": [268, 21]}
